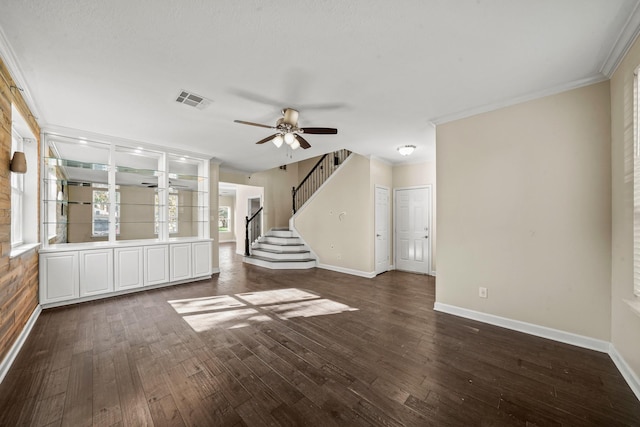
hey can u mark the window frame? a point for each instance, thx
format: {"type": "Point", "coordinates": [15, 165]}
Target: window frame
{"type": "Point", "coordinates": [98, 189]}
{"type": "Point", "coordinates": [17, 195]}
{"type": "Point", "coordinates": [172, 221]}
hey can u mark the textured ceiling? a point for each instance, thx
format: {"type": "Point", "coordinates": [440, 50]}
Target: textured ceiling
{"type": "Point", "coordinates": [379, 71]}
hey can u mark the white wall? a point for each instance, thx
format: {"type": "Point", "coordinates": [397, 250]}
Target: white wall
{"type": "Point", "coordinates": [524, 208]}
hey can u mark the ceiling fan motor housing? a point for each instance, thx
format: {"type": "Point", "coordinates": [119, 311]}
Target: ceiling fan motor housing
{"type": "Point", "coordinates": [290, 117]}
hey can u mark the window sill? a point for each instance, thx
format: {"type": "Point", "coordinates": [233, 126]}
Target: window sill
{"type": "Point", "coordinates": [634, 304]}
{"type": "Point", "coordinates": [19, 250]}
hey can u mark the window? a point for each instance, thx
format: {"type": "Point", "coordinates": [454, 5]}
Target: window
{"type": "Point", "coordinates": [173, 213]}
{"type": "Point", "coordinates": [224, 218]}
{"type": "Point", "coordinates": [17, 195]}
{"type": "Point", "coordinates": [100, 213]}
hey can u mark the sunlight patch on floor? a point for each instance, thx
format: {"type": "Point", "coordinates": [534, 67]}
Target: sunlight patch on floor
{"type": "Point", "coordinates": [225, 319]}
{"type": "Point", "coordinates": [277, 296]}
{"type": "Point", "coordinates": [194, 305]}
{"type": "Point", "coordinates": [317, 307]}
{"type": "Point", "coordinates": [245, 309]}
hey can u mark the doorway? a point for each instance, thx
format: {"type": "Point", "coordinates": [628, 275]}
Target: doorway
{"type": "Point", "coordinates": [413, 229]}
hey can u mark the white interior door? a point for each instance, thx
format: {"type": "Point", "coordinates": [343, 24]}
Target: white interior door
{"type": "Point", "coordinates": [382, 229]}
{"type": "Point", "coordinates": [413, 222]}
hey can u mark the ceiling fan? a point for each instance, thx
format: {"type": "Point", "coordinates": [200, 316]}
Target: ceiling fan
{"type": "Point", "coordinates": [288, 130]}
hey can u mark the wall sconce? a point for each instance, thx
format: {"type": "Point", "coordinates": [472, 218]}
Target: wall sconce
{"type": "Point", "coordinates": [18, 163]}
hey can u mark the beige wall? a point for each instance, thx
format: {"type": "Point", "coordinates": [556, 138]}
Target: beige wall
{"type": "Point", "coordinates": [625, 324]}
{"type": "Point", "coordinates": [338, 222]}
{"type": "Point", "coordinates": [523, 208]}
{"type": "Point", "coordinates": [416, 175]}
{"type": "Point", "coordinates": [277, 184]}
{"type": "Point", "coordinates": [227, 236]}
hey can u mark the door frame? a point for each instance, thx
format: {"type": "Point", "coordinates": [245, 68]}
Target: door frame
{"type": "Point", "coordinates": [429, 221]}
{"type": "Point", "coordinates": [389, 266]}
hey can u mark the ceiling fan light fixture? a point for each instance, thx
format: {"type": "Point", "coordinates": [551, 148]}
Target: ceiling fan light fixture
{"type": "Point", "coordinates": [406, 150]}
{"type": "Point", "coordinates": [289, 138]}
{"type": "Point", "coordinates": [295, 144]}
{"type": "Point", "coordinates": [278, 140]}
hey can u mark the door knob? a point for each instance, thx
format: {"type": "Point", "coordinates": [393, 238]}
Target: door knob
{"type": "Point", "coordinates": [378, 235]}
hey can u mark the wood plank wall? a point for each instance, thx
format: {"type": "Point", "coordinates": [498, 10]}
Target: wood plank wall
{"type": "Point", "coordinates": [18, 276]}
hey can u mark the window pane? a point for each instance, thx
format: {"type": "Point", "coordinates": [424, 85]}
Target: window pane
{"type": "Point", "coordinates": [224, 218]}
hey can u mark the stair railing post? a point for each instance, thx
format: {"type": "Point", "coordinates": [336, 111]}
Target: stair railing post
{"type": "Point", "coordinates": [293, 198]}
{"type": "Point", "coordinates": [246, 237]}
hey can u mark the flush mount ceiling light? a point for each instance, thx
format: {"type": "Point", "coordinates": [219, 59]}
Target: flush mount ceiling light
{"type": "Point", "coordinates": [405, 150]}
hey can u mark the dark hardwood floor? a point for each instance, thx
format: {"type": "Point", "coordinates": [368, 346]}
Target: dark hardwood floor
{"type": "Point", "coordinates": [313, 348]}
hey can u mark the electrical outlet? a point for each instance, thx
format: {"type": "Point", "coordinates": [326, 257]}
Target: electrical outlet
{"type": "Point", "coordinates": [483, 292]}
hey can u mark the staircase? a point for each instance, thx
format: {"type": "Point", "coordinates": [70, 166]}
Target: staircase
{"type": "Point", "coordinates": [279, 249]}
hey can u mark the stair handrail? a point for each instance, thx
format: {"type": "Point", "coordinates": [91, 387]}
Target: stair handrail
{"type": "Point", "coordinates": [295, 189]}
{"type": "Point", "coordinates": [336, 155]}
{"type": "Point", "coordinates": [246, 231]}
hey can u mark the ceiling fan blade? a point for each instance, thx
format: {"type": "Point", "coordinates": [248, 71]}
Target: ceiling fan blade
{"type": "Point", "coordinates": [303, 142]}
{"type": "Point", "coordinates": [254, 124]}
{"type": "Point", "coordinates": [267, 139]}
{"type": "Point", "coordinates": [320, 131]}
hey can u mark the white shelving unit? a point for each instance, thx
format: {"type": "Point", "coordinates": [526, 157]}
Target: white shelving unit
{"type": "Point", "coordinates": [120, 218]}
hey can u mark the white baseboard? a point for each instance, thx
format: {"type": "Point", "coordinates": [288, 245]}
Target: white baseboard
{"type": "Point", "coordinates": [17, 346]}
{"type": "Point", "coordinates": [527, 328]}
{"type": "Point", "coordinates": [433, 273]}
{"type": "Point", "coordinates": [215, 270]}
{"type": "Point", "coordinates": [626, 371]}
{"type": "Point", "coordinates": [368, 275]}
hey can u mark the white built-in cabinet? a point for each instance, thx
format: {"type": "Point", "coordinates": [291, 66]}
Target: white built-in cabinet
{"type": "Point", "coordinates": [83, 274]}
{"type": "Point", "coordinates": [201, 257]}
{"type": "Point", "coordinates": [128, 268]}
{"type": "Point", "coordinates": [119, 216]}
{"type": "Point", "coordinates": [156, 264]}
{"type": "Point", "coordinates": [96, 272]}
{"type": "Point", "coordinates": [180, 261]}
{"type": "Point", "coordinates": [59, 277]}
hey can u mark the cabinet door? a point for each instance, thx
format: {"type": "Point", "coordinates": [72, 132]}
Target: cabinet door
{"type": "Point", "coordinates": [180, 261]}
{"type": "Point", "coordinates": [96, 272]}
{"type": "Point", "coordinates": [128, 268]}
{"type": "Point", "coordinates": [156, 264]}
{"type": "Point", "coordinates": [58, 277]}
{"type": "Point", "coordinates": [201, 253]}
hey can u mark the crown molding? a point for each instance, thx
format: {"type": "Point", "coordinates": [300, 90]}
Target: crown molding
{"type": "Point", "coordinates": [9, 58]}
{"type": "Point", "coordinates": [623, 43]}
{"type": "Point", "coordinates": [519, 99]}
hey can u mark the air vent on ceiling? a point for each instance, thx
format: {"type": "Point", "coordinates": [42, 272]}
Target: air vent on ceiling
{"type": "Point", "coordinates": [193, 100]}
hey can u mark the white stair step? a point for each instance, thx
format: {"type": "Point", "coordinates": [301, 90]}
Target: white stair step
{"type": "Point", "coordinates": [280, 232]}
{"type": "Point", "coordinates": [281, 255]}
{"type": "Point", "coordinates": [280, 264]}
{"type": "Point", "coordinates": [281, 240]}
{"type": "Point", "coordinates": [279, 247]}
